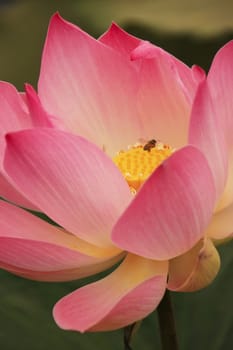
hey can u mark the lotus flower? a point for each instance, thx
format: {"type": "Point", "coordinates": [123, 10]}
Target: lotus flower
{"type": "Point", "coordinates": [152, 207]}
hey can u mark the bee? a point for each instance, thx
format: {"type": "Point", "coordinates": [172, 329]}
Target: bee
{"type": "Point", "coordinates": [149, 145]}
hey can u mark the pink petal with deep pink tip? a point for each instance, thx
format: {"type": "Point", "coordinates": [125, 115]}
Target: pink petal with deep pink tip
{"type": "Point", "coordinates": [14, 116]}
{"type": "Point", "coordinates": [171, 210]}
{"type": "Point", "coordinates": [32, 247]}
{"type": "Point", "coordinates": [198, 75]}
{"type": "Point", "coordinates": [40, 117]}
{"type": "Point", "coordinates": [70, 179]}
{"type": "Point", "coordinates": [195, 269]}
{"type": "Point", "coordinates": [220, 83]}
{"type": "Point", "coordinates": [13, 113]}
{"type": "Point", "coordinates": [187, 78]}
{"type": "Point", "coordinates": [90, 86]}
{"type": "Point", "coordinates": [119, 40]}
{"type": "Point", "coordinates": [208, 134]}
{"type": "Point", "coordinates": [127, 295]}
{"type": "Point", "coordinates": [167, 89]}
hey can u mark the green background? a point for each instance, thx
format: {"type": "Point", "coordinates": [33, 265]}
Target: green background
{"type": "Point", "coordinates": [193, 31]}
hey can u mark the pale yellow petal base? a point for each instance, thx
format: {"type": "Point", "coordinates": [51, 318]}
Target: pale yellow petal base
{"type": "Point", "coordinates": [195, 269]}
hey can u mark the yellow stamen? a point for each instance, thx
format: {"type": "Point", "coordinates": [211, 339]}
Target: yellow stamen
{"type": "Point", "coordinates": [139, 161]}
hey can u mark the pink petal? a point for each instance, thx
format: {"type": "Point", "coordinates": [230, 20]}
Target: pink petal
{"type": "Point", "coordinates": [13, 113]}
{"type": "Point", "coordinates": [195, 269]}
{"type": "Point", "coordinates": [119, 40]}
{"type": "Point", "coordinates": [10, 193]}
{"type": "Point", "coordinates": [220, 83]}
{"type": "Point", "coordinates": [212, 122]}
{"type": "Point", "coordinates": [207, 133]}
{"type": "Point", "coordinates": [89, 86]}
{"type": "Point", "coordinates": [63, 275]}
{"type": "Point", "coordinates": [69, 179]}
{"type": "Point", "coordinates": [172, 209]}
{"type": "Point", "coordinates": [14, 116]}
{"type": "Point", "coordinates": [220, 80]}
{"type": "Point", "coordinates": [129, 294]}
{"type": "Point", "coordinates": [167, 88]}
{"type": "Point", "coordinates": [40, 117]}
{"type": "Point", "coordinates": [226, 198]}
{"type": "Point", "coordinates": [35, 249]}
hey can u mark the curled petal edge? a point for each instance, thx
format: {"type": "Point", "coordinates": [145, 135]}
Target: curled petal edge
{"type": "Point", "coordinates": [127, 295]}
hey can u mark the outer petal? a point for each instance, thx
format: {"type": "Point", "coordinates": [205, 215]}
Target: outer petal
{"type": "Point", "coordinates": [220, 82]}
{"type": "Point", "coordinates": [10, 193]}
{"type": "Point", "coordinates": [221, 225]}
{"type": "Point", "coordinates": [226, 198]}
{"type": "Point", "coordinates": [71, 180]}
{"type": "Point", "coordinates": [119, 40]}
{"type": "Point", "coordinates": [40, 117]}
{"type": "Point", "coordinates": [195, 269]}
{"type": "Point", "coordinates": [35, 249]}
{"type": "Point", "coordinates": [212, 122]}
{"type": "Point", "coordinates": [167, 89]}
{"type": "Point", "coordinates": [13, 113]}
{"type": "Point", "coordinates": [89, 86]}
{"type": "Point", "coordinates": [14, 116]}
{"type": "Point", "coordinates": [172, 209]}
{"type": "Point", "coordinates": [129, 294]}
{"type": "Point", "coordinates": [207, 133]}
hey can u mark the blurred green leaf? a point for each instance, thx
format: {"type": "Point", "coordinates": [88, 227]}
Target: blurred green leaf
{"type": "Point", "coordinates": [204, 319]}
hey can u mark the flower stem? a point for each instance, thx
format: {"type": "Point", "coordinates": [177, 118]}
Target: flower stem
{"type": "Point", "coordinates": [167, 324]}
{"type": "Point", "coordinates": [128, 336]}
{"type": "Point", "coordinates": [129, 332]}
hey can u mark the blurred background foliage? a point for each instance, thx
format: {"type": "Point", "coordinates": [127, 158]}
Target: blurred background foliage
{"type": "Point", "coordinates": [191, 30]}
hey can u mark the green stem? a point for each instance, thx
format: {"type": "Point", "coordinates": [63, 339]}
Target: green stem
{"type": "Point", "coordinates": [167, 324]}
{"type": "Point", "coordinates": [128, 337]}
{"type": "Point", "coordinates": [129, 332]}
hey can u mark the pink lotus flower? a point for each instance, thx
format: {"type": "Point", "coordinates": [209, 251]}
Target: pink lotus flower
{"type": "Point", "coordinates": [96, 97]}
{"type": "Point", "coordinates": [18, 111]}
